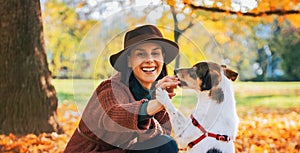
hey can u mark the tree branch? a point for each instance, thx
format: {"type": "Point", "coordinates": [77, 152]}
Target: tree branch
{"type": "Point", "coordinates": [251, 14]}
{"type": "Point", "coordinates": [189, 26]}
{"type": "Point", "coordinates": [178, 31]}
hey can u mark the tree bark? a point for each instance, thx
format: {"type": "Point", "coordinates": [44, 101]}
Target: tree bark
{"type": "Point", "coordinates": [28, 101]}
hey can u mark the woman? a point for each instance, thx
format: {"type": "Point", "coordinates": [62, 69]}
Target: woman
{"type": "Point", "coordinates": [123, 114]}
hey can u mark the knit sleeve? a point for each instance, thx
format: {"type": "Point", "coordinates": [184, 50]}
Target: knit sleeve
{"type": "Point", "coordinates": [164, 121]}
{"type": "Point", "coordinates": [120, 111]}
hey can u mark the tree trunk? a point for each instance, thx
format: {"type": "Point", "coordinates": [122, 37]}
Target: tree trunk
{"type": "Point", "coordinates": [176, 38]}
{"type": "Point", "coordinates": [177, 34]}
{"type": "Point", "coordinates": [28, 101]}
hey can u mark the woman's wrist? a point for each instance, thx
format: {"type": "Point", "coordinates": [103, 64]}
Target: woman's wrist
{"type": "Point", "coordinates": [154, 107]}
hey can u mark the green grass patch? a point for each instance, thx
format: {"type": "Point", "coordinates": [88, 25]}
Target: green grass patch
{"type": "Point", "coordinates": [267, 94]}
{"type": "Point", "coordinates": [186, 101]}
{"type": "Point", "coordinates": [248, 94]}
{"type": "Point", "coordinates": [269, 100]}
{"type": "Point", "coordinates": [266, 88]}
{"type": "Point", "coordinates": [75, 90]}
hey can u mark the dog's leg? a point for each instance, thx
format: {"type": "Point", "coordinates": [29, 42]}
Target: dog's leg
{"type": "Point", "coordinates": [178, 120]}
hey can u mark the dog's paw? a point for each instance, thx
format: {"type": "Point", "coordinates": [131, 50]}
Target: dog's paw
{"type": "Point", "coordinates": [162, 96]}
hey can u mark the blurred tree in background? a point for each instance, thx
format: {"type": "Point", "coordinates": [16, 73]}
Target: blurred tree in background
{"type": "Point", "coordinates": [63, 33]}
{"type": "Point", "coordinates": [249, 32]}
{"type": "Point", "coordinates": [285, 42]}
{"type": "Point", "coordinates": [246, 35]}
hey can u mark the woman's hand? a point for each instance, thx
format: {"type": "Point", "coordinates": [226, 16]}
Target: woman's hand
{"type": "Point", "coordinates": [169, 83]}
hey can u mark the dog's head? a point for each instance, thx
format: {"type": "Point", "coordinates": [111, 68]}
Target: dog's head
{"type": "Point", "coordinates": [205, 76]}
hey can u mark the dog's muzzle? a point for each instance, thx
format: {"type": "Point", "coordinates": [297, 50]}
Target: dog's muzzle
{"type": "Point", "coordinates": [182, 83]}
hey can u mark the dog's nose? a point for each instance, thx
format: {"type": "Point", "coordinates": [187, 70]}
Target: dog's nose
{"type": "Point", "coordinates": [175, 71]}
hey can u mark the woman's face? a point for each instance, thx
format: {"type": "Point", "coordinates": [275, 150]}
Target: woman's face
{"type": "Point", "coordinates": [146, 61]}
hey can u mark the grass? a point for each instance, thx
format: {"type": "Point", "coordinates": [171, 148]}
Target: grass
{"type": "Point", "coordinates": [248, 94]}
{"type": "Point", "coordinates": [75, 90]}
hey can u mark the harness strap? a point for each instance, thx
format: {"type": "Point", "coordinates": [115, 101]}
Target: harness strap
{"type": "Point", "coordinates": [196, 123]}
{"type": "Point", "coordinates": [206, 134]}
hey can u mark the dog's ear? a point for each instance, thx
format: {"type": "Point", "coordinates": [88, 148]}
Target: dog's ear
{"type": "Point", "coordinates": [230, 74]}
{"type": "Point", "coordinates": [217, 94]}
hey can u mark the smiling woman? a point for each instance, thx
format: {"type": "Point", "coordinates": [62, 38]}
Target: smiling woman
{"type": "Point", "coordinates": [123, 115]}
{"type": "Point", "coordinates": [146, 61]}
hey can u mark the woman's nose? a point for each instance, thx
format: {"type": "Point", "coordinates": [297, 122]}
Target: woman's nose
{"type": "Point", "coordinates": [149, 58]}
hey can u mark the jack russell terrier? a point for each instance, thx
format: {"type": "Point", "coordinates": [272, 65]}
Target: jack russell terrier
{"type": "Point", "coordinates": [213, 125]}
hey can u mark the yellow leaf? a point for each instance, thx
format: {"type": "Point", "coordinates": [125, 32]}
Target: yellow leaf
{"type": "Point", "coordinates": [222, 38]}
{"type": "Point", "coordinates": [186, 1]}
{"type": "Point", "coordinates": [294, 20]}
{"type": "Point", "coordinates": [171, 2]}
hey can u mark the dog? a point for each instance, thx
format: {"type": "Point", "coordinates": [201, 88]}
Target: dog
{"type": "Point", "coordinates": [213, 125]}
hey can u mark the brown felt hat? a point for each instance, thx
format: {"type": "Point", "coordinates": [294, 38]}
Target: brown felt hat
{"type": "Point", "coordinates": [140, 35]}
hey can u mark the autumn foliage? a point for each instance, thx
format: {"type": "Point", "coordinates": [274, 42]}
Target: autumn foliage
{"type": "Point", "coordinates": [269, 130]}
{"type": "Point", "coordinates": [261, 130]}
{"type": "Point", "coordinates": [68, 117]}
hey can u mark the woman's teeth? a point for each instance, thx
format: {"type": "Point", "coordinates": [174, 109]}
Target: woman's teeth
{"type": "Point", "coordinates": [148, 69]}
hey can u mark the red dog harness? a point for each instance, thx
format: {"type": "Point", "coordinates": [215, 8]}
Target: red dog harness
{"type": "Point", "coordinates": [206, 134]}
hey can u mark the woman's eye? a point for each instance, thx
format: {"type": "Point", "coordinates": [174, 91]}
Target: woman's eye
{"type": "Point", "coordinates": [140, 54]}
{"type": "Point", "coordinates": [156, 53]}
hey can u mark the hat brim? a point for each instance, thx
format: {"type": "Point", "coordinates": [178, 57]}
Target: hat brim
{"type": "Point", "coordinates": [171, 50]}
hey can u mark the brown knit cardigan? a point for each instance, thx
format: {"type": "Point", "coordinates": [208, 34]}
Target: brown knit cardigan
{"type": "Point", "coordinates": [109, 123]}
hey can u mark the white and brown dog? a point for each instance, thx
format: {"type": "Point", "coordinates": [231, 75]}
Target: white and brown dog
{"type": "Point", "coordinates": [213, 125]}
